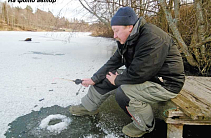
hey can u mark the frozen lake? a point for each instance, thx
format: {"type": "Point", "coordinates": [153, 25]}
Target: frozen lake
{"type": "Point", "coordinates": [30, 71]}
{"type": "Point", "coordinates": [35, 100]}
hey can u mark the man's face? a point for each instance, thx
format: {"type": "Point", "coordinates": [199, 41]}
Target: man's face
{"type": "Point", "coordinates": [121, 33]}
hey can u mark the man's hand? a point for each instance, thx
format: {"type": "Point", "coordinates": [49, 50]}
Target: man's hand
{"type": "Point", "coordinates": [87, 82]}
{"type": "Point", "coordinates": [111, 77]}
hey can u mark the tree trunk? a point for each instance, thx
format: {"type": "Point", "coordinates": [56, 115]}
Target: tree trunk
{"type": "Point", "coordinates": [176, 12]}
{"type": "Point", "coordinates": [198, 39]}
{"type": "Point", "coordinates": [201, 27]}
{"type": "Point", "coordinates": [177, 34]}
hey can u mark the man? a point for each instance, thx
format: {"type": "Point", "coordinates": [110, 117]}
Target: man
{"type": "Point", "coordinates": [154, 72]}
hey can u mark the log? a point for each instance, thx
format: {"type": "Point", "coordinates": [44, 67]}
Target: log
{"type": "Point", "coordinates": [28, 39]}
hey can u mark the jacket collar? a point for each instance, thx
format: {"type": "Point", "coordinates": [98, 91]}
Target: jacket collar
{"type": "Point", "coordinates": [136, 29]}
{"type": "Point", "coordinates": [141, 21]}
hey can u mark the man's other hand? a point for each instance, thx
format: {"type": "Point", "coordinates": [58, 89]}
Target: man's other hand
{"type": "Point", "coordinates": [111, 77]}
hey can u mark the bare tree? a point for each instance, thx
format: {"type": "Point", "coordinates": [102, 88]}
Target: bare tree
{"type": "Point", "coordinates": [93, 10]}
{"type": "Point", "coordinates": [176, 11]}
{"type": "Point", "coordinates": [199, 57]}
{"type": "Point", "coordinates": [177, 34]}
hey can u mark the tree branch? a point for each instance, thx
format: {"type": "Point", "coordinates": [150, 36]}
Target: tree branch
{"type": "Point", "coordinates": [177, 34]}
{"type": "Point", "coordinates": [94, 13]}
{"type": "Point", "coordinates": [206, 40]}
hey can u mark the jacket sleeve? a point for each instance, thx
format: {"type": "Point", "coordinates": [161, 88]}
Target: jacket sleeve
{"type": "Point", "coordinates": [150, 54]}
{"type": "Point", "coordinates": [112, 64]}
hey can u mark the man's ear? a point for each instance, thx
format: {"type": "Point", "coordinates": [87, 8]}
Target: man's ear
{"type": "Point", "coordinates": [130, 28]}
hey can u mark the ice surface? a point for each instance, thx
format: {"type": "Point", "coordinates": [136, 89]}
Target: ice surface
{"type": "Point", "coordinates": [29, 68]}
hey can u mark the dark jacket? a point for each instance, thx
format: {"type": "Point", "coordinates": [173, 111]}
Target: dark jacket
{"type": "Point", "coordinates": [148, 54]}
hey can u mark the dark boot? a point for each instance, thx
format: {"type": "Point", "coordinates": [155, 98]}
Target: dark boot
{"type": "Point", "coordinates": [80, 110]}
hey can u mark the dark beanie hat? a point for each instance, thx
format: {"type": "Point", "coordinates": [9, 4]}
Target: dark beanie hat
{"type": "Point", "coordinates": [124, 16]}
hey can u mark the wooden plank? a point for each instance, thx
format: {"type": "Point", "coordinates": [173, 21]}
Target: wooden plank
{"type": "Point", "coordinates": [187, 121]}
{"type": "Point", "coordinates": [200, 88]}
{"type": "Point", "coordinates": [195, 98]}
{"type": "Point", "coordinates": [190, 109]}
{"type": "Point", "coordinates": [174, 113]}
{"type": "Point", "coordinates": [174, 130]}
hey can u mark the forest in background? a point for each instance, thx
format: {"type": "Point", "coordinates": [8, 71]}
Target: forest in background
{"type": "Point", "coordinates": [16, 18]}
{"type": "Point", "coordinates": [187, 21]}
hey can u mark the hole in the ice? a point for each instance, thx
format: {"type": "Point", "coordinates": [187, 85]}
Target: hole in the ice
{"type": "Point", "coordinates": [55, 123]}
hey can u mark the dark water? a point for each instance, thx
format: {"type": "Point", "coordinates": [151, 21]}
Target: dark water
{"type": "Point", "coordinates": [108, 123]}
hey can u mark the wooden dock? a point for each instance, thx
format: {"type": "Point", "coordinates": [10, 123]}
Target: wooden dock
{"type": "Point", "coordinates": [193, 106]}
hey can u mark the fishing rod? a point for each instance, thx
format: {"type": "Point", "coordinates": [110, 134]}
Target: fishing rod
{"type": "Point", "coordinates": [77, 81]}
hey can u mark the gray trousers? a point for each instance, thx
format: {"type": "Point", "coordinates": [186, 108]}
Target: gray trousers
{"type": "Point", "coordinates": [140, 97]}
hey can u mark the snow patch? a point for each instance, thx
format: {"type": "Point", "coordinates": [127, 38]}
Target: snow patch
{"type": "Point", "coordinates": [57, 128]}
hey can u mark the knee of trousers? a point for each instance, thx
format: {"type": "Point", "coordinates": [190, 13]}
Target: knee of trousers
{"type": "Point", "coordinates": [122, 99]}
